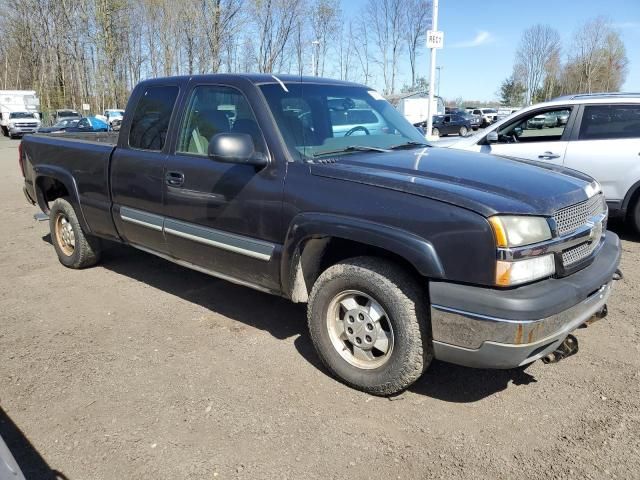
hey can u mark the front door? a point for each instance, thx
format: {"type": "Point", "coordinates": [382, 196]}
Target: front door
{"type": "Point", "coordinates": [540, 135]}
{"type": "Point", "coordinates": [137, 170]}
{"type": "Point", "coordinates": [222, 217]}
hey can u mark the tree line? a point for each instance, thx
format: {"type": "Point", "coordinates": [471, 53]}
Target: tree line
{"type": "Point", "coordinates": [595, 60]}
{"type": "Point", "coordinates": [94, 51]}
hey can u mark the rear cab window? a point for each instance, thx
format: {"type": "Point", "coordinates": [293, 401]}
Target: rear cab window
{"type": "Point", "coordinates": [607, 122]}
{"type": "Point", "coordinates": [150, 123]}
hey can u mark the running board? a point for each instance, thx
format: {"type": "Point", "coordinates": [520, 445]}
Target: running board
{"type": "Point", "coordinates": [40, 217]}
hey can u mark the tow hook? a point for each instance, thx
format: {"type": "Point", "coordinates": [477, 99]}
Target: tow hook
{"type": "Point", "coordinates": [565, 349]}
{"type": "Point", "coordinates": [617, 275]}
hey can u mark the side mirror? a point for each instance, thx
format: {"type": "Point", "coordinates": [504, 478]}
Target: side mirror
{"type": "Point", "coordinates": [492, 137]}
{"type": "Point", "coordinates": [235, 148]}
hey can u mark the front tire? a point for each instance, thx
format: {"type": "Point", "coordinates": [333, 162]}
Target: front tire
{"type": "Point", "coordinates": [75, 249]}
{"type": "Point", "coordinates": [463, 131]}
{"type": "Point", "coordinates": [435, 132]}
{"type": "Point", "coordinates": [368, 320]}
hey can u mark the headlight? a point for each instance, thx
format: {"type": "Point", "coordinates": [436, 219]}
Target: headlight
{"type": "Point", "coordinates": [12, 125]}
{"type": "Point", "coordinates": [516, 231]}
{"type": "Point", "coordinates": [523, 271]}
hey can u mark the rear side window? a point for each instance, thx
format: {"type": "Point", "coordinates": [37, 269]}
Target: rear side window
{"type": "Point", "coordinates": [151, 118]}
{"type": "Point", "coordinates": [215, 109]}
{"type": "Point", "coordinates": [603, 122]}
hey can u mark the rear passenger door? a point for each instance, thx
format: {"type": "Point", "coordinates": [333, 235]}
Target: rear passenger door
{"type": "Point", "coordinates": [607, 147]}
{"type": "Point", "coordinates": [137, 169]}
{"type": "Point", "coordinates": [222, 217]}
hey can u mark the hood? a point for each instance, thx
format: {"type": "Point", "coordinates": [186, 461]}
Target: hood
{"type": "Point", "coordinates": [483, 183]}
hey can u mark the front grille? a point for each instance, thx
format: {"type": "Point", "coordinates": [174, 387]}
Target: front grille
{"type": "Point", "coordinates": [575, 254]}
{"type": "Point", "coordinates": [26, 124]}
{"type": "Point", "coordinates": [569, 219]}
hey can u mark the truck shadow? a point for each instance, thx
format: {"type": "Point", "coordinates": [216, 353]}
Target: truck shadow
{"type": "Point", "coordinates": [33, 466]}
{"type": "Point", "coordinates": [444, 381]}
{"type": "Point", "coordinates": [284, 319]}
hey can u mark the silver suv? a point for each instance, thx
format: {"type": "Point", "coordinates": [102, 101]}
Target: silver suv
{"type": "Point", "coordinates": [598, 134]}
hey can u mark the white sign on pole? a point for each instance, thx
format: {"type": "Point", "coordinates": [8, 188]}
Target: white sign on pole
{"type": "Point", "coordinates": [435, 39]}
{"type": "Point", "coordinates": [86, 107]}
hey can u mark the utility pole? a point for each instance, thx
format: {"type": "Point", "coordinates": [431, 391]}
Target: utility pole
{"type": "Point", "coordinates": [315, 45]}
{"type": "Point", "coordinates": [434, 41]}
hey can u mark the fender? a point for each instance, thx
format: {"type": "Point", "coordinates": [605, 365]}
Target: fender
{"type": "Point", "coordinates": [416, 250]}
{"type": "Point", "coordinates": [64, 177]}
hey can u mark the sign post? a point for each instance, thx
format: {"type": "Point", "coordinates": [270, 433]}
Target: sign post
{"type": "Point", "coordinates": [435, 41]}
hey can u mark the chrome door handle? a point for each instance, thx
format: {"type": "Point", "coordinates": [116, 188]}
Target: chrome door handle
{"type": "Point", "coordinates": [174, 179]}
{"type": "Point", "coordinates": [548, 156]}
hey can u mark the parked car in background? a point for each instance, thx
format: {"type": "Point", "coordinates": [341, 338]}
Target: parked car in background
{"type": "Point", "coordinates": [504, 112]}
{"type": "Point", "coordinates": [352, 117]}
{"type": "Point", "coordinates": [65, 113]}
{"type": "Point", "coordinates": [21, 123]}
{"type": "Point", "coordinates": [474, 120]}
{"type": "Point", "coordinates": [60, 126]}
{"type": "Point", "coordinates": [115, 124]}
{"type": "Point", "coordinates": [113, 114]}
{"type": "Point", "coordinates": [487, 115]}
{"type": "Point", "coordinates": [88, 124]}
{"type": "Point", "coordinates": [444, 125]}
{"type": "Point", "coordinates": [598, 134]}
{"type": "Point", "coordinates": [403, 252]}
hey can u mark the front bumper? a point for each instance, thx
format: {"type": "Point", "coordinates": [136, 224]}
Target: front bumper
{"type": "Point", "coordinates": [490, 328]}
{"type": "Point", "coordinates": [22, 130]}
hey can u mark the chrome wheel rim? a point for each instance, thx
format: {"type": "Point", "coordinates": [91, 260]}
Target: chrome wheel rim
{"type": "Point", "coordinates": [360, 329]}
{"type": "Point", "coordinates": [64, 235]}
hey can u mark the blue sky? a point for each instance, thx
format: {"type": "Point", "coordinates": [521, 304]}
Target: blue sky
{"type": "Point", "coordinates": [481, 37]}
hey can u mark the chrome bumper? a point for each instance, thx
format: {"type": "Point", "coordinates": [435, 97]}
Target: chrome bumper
{"type": "Point", "coordinates": [478, 341]}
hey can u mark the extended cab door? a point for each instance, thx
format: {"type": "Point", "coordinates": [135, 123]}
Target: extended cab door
{"type": "Point", "coordinates": [606, 146]}
{"type": "Point", "coordinates": [137, 168]}
{"type": "Point", "coordinates": [540, 135]}
{"type": "Point", "coordinates": [223, 217]}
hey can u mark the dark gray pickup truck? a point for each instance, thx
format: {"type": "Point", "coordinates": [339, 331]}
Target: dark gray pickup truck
{"type": "Point", "coordinates": [320, 191]}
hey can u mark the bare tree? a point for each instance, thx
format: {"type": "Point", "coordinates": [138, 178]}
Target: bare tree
{"type": "Point", "coordinates": [418, 20]}
{"type": "Point", "coordinates": [274, 21]}
{"type": "Point", "coordinates": [324, 24]}
{"type": "Point", "coordinates": [388, 25]}
{"type": "Point", "coordinates": [537, 46]}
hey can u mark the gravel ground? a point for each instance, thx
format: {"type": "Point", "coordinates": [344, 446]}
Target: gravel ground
{"type": "Point", "coordinates": [141, 369]}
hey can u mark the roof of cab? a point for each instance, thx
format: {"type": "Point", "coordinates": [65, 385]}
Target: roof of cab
{"type": "Point", "coordinates": [256, 78]}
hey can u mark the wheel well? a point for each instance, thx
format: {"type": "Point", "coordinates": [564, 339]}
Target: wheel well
{"type": "Point", "coordinates": [48, 189]}
{"type": "Point", "coordinates": [317, 254]}
{"type": "Point", "coordinates": [633, 198]}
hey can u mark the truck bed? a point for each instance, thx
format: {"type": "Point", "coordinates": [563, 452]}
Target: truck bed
{"type": "Point", "coordinates": [80, 161]}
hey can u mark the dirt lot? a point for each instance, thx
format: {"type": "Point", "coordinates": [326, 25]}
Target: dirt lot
{"type": "Point", "coordinates": [141, 369]}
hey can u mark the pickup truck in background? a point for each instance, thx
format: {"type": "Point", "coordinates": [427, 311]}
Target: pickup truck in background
{"type": "Point", "coordinates": [403, 252]}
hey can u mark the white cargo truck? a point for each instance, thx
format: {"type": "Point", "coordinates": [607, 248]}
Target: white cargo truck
{"type": "Point", "coordinates": [19, 111]}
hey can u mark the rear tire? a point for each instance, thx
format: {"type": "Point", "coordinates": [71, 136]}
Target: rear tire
{"type": "Point", "coordinates": [75, 249]}
{"type": "Point", "coordinates": [388, 312]}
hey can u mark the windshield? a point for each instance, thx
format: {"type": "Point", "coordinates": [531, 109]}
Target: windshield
{"type": "Point", "coordinates": [67, 113]}
{"type": "Point", "coordinates": [21, 115]}
{"type": "Point", "coordinates": [325, 119]}
{"type": "Point", "coordinates": [490, 110]}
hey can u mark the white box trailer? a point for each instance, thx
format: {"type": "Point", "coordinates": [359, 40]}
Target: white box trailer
{"type": "Point", "coordinates": [16, 101]}
{"type": "Point", "coordinates": [415, 110]}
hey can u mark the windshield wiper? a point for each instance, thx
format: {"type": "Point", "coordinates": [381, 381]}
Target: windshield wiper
{"type": "Point", "coordinates": [409, 144]}
{"type": "Point", "coordinates": [352, 148]}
